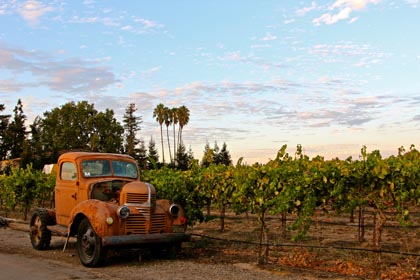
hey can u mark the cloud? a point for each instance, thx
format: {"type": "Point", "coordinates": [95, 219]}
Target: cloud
{"type": "Point", "coordinates": [341, 10]}
{"type": "Point", "coordinates": [358, 55]}
{"type": "Point", "coordinates": [123, 23]}
{"type": "Point", "coordinates": [10, 86]}
{"type": "Point", "coordinates": [413, 3]}
{"type": "Point", "coordinates": [71, 75]}
{"type": "Point", "coordinates": [305, 10]}
{"type": "Point", "coordinates": [331, 19]}
{"type": "Point", "coordinates": [146, 74]}
{"type": "Point", "coordinates": [236, 56]}
{"type": "Point", "coordinates": [269, 37]}
{"type": "Point", "coordinates": [32, 10]}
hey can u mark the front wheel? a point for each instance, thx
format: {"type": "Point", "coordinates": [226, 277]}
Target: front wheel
{"type": "Point", "coordinates": [89, 247]}
{"type": "Point", "coordinates": [39, 233]}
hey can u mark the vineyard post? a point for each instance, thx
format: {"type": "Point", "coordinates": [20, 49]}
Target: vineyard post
{"type": "Point", "coordinates": [361, 224]}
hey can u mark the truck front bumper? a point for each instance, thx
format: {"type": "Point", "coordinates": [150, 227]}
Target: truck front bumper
{"type": "Point", "coordinates": [143, 240]}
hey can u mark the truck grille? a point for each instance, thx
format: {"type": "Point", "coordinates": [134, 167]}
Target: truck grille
{"type": "Point", "coordinates": [138, 198]}
{"type": "Point", "coordinates": [145, 222]}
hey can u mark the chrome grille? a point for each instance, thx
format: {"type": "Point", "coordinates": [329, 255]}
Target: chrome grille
{"type": "Point", "coordinates": [136, 224]}
{"type": "Point", "coordinates": [145, 222]}
{"type": "Point", "coordinates": [139, 198]}
{"type": "Point", "coordinates": [158, 223]}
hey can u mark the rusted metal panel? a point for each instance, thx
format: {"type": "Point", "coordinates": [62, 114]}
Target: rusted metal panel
{"type": "Point", "coordinates": [97, 212]}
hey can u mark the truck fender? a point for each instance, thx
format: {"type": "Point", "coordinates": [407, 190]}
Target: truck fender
{"type": "Point", "coordinates": [97, 212]}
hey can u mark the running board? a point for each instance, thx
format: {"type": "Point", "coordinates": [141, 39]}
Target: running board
{"type": "Point", "coordinates": [58, 230]}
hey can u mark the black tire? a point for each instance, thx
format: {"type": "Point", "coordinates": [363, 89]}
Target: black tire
{"type": "Point", "coordinates": [39, 234]}
{"type": "Point", "coordinates": [89, 245]}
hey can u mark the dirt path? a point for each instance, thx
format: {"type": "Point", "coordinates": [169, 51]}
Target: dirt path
{"type": "Point", "coordinates": [18, 260]}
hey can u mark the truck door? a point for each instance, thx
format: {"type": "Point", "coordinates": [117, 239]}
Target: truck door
{"type": "Point", "coordinates": [66, 191]}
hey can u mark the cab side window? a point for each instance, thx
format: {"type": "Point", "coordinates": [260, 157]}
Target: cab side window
{"type": "Point", "coordinates": [68, 171]}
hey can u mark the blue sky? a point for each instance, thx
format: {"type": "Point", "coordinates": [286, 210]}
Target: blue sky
{"type": "Point", "coordinates": [329, 75]}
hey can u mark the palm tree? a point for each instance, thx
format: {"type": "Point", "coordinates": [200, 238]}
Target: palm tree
{"type": "Point", "coordinates": [174, 122]}
{"type": "Point", "coordinates": [167, 116]}
{"type": "Point", "coordinates": [183, 118]}
{"type": "Point", "coordinates": [159, 113]}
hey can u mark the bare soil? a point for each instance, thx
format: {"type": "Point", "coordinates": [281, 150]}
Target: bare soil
{"type": "Point", "coordinates": [325, 253]}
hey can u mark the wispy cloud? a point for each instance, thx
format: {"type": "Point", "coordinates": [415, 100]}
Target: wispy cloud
{"type": "Point", "coordinates": [123, 23]}
{"type": "Point", "coordinates": [341, 10]}
{"type": "Point", "coordinates": [413, 3]}
{"type": "Point", "coordinates": [358, 55]}
{"type": "Point", "coordinates": [64, 75]}
{"type": "Point", "coordinates": [303, 11]}
{"type": "Point", "coordinates": [269, 37]}
{"type": "Point", "coordinates": [32, 10]}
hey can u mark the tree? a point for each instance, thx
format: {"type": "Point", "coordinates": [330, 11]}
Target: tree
{"type": "Point", "coordinates": [167, 116]}
{"type": "Point", "coordinates": [216, 157]}
{"type": "Point", "coordinates": [174, 112]}
{"type": "Point", "coordinates": [35, 145]}
{"type": "Point", "coordinates": [4, 139]}
{"type": "Point", "coordinates": [109, 132]}
{"type": "Point", "coordinates": [224, 156]}
{"type": "Point", "coordinates": [80, 126]}
{"type": "Point", "coordinates": [183, 118]}
{"type": "Point", "coordinates": [183, 158]}
{"type": "Point", "coordinates": [208, 157]}
{"type": "Point", "coordinates": [141, 155]}
{"type": "Point", "coordinates": [153, 156]}
{"type": "Point", "coordinates": [159, 113]}
{"type": "Point", "coordinates": [17, 131]}
{"type": "Point", "coordinates": [131, 126]}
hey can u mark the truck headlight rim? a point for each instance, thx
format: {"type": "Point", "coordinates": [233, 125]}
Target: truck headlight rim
{"type": "Point", "coordinates": [123, 212]}
{"type": "Point", "coordinates": [174, 210]}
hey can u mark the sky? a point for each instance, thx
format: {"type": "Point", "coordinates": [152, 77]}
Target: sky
{"type": "Point", "coordinates": [331, 75]}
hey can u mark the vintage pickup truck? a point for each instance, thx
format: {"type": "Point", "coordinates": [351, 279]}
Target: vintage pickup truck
{"type": "Point", "coordinates": [100, 199]}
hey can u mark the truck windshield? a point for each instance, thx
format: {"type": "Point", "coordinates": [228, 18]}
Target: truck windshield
{"type": "Point", "coordinates": [102, 167]}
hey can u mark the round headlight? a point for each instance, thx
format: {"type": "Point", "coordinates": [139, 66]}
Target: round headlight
{"type": "Point", "coordinates": [174, 210]}
{"type": "Point", "coordinates": [123, 212]}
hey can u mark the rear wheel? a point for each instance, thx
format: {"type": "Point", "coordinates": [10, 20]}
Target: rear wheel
{"type": "Point", "coordinates": [89, 247]}
{"type": "Point", "coordinates": [39, 234]}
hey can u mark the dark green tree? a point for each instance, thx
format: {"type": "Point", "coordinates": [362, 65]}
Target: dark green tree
{"type": "Point", "coordinates": [141, 155]}
{"type": "Point", "coordinates": [216, 156]}
{"type": "Point", "coordinates": [182, 157]}
{"type": "Point", "coordinates": [17, 131]}
{"type": "Point", "coordinates": [4, 139]}
{"type": "Point", "coordinates": [224, 156]}
{"type": "Point", "coordinates": [80, 126]}
{"type": "Point", "coordinates": [109, 132]}
{"type": "Point", "coordinates": [153, 155]}
{"type": "Point", "coordinates": [131, 127]}
{"type": "Point", "coordinates": [35, 145]}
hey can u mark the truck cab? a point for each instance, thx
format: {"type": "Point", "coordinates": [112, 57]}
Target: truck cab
{"type": "Point", "coordinates": [100, 199]}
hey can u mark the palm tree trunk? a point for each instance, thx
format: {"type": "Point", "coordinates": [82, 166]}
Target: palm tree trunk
{"type": "Point", "coordinates": [169, 145]}
{"type": "Point", "coordinates": [174, 144]}
{"type": "Point", "coordinates": [161, 139]}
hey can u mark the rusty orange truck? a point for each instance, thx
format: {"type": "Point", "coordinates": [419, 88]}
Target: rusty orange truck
{"type": "Point", "coordinates": [100, 199]}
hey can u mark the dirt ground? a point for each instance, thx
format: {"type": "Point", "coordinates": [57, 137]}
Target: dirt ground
{"type": "Point", "coordinates": [56, 264]}
{"type": "Point", "coordinates": [324, 254]}
{"type": "Point", "coordinates": [331, 245]}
